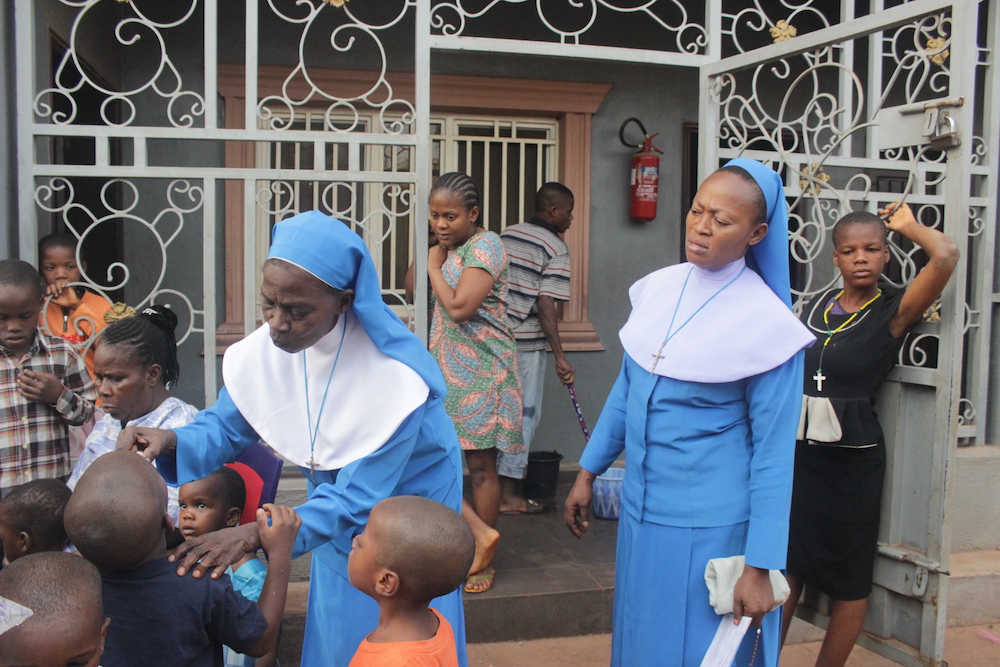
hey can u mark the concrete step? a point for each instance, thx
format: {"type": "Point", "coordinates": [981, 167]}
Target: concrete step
{"type": "Point", "coordinates": [975, 502]}
{"type": "Point", "coordinates": [974, 588]}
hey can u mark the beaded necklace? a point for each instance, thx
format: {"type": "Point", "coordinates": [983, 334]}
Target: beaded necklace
{"type": "Point", "coordinates": [819, 377]}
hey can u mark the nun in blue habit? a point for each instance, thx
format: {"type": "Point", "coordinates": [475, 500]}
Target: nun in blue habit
{"type": "Point", "coordinates": [337, 384]}
{"type": "Point", "coordinates": [706, 408]}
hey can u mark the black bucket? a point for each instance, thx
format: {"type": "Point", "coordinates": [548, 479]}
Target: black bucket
{"type": "Point", "coordinates": [543, 475]}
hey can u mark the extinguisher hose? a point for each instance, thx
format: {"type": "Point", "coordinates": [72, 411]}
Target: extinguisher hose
{"type": "Point", "coordinates": [621, 132]}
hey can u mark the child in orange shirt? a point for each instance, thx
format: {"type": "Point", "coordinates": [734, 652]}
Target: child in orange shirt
{"type": "Point", "coordinates": [74, 313]}
{"type": "Point", "coordinates": [411, 551]}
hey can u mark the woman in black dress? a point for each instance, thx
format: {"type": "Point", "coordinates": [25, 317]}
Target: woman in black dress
{"type": "Point", "coordinates": [840, 454]}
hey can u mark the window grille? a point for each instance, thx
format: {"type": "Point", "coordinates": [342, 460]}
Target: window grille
{"type": "Point", "coordinates": [510, 158]}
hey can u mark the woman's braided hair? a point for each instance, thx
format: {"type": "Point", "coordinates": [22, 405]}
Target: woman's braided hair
{"type": "Point", "coordinates": [461, 185]}
{"type": "Point", "coordinates": [150, 334]}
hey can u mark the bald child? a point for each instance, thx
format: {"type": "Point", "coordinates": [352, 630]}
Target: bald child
{"type": "Point", "coordinates": [67, 624]}
{"type": "Point", "coordinates": [116, 518]}
{"type": "Point", "coordinates": [411, 551]}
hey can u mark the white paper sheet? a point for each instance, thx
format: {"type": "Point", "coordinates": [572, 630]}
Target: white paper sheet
{"type": "Point", "coordinates": [12, 615]}
{"type": "Point", "coordinates": [726, 642]}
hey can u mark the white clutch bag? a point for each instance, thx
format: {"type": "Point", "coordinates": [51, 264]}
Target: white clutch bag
{"type": "Point", "coordinates": [721, 575]}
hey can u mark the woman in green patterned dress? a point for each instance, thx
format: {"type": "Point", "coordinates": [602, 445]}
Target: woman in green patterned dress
{"type": "Point", "coordinates": [474, 344]}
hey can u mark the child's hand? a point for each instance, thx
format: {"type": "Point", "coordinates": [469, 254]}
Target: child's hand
{"type": "Point", "coordinates": [278, 537]}
{"type": "Point", "coordinates": [42, 387]}
{"type": "Point", "coordinates": [62, 295]}
{"type": "Point", "coordinates": [900, 216]}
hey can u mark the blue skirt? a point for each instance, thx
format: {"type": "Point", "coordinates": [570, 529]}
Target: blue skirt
{"type": "Point", "coordinates": [662, 616]}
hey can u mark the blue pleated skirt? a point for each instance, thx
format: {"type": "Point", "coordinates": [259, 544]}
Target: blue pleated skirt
{"type": "Point", "coordinates": [662, 617]}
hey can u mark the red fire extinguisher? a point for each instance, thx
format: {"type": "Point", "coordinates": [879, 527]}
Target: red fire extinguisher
{"type": "Point", "coordinates": [645, 174]}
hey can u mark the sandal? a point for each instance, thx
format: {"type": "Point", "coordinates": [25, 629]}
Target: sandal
{"type": "Point", "coordinates": [477, 578]}
{"type": "Point", "coordinates": [531, 507]}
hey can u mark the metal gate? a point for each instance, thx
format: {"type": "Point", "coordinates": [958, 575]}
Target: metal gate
{"type": "Point", "coordinates": [138, 135]}
{"type": "Point", "coordinates": [854, 116]}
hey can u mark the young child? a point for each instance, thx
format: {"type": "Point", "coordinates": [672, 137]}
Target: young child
{"type": "Point", "coordinates": [67, 624]}
{"type": "Point", "coordinates": [116, 519]}
{"type": "Point", "coordinates": [31, 519]}
{"type": "Point", "coordinates": [412, 551]}
{"type": "Point", "coordinates": [74, 313]}
{"type": "Point", "coordinates": [44, 387]}
{"type": "Point", "coordinates": [213, 503]}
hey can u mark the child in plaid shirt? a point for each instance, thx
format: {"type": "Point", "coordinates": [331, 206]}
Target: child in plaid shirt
{"type": "Point", "coordinates": [44, 385]}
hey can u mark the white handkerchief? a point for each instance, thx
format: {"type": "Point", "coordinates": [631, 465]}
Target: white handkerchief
{"type": "Point", "coordinates": [819, 421]}
{"type": "Point", "coordinates": [721, 575]}
{"type": "Point", "coordinates": [12, 614]}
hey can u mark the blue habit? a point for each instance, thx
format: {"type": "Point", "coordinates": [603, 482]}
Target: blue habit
{"type": "Point", "coordinates": [708, 474]}
{"type": "Point", "coordinates": [421, 458]}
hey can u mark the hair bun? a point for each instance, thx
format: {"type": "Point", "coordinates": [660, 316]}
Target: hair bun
{"type": "Point", "coordinates": [162, 317]}
{"type": "Point", "coordinates": [118, 311]}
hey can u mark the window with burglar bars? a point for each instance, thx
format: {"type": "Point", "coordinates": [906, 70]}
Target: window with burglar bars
{"type": "Point", "coordinates": [510, 158]}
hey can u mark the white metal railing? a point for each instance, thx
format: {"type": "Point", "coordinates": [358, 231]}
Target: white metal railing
{"type": "Point", "coordinates": [369, 169]}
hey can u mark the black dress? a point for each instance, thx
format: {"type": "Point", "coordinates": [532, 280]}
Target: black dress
{"type": "Point", "coordinates": [837, 491]}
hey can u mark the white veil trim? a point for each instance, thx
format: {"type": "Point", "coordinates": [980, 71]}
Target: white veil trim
{"type": "Point", "coordinates": [744, 331]}
{"type": "Point", "coordinates": [370, 394]}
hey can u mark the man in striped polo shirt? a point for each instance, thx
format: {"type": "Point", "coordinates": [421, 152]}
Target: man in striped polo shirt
{"type": "Point", "coordinates": [538, 276]}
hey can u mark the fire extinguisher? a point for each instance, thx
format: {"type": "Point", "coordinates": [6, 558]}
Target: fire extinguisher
{"type": "Point", "coordinates": [645, 174]}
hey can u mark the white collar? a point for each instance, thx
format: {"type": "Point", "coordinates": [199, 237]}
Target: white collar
{"type": "Point", "coordinates": [741, 331]}
{"type": "Point", "coordinates": [370, 394]}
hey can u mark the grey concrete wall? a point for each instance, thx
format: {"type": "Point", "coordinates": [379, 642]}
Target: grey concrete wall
{"type": "Point", "coordinates": [621, 251]}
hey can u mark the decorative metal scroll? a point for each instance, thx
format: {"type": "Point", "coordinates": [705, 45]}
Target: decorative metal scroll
{"type": "Point", "coordinates": [150, 237]}
{"type": "Point", "coordinates": [140, 67]}
{"type": "Point", "coordinates": [661, 25]}
{"type": "Point", "coordinates": [143, 29]}
{"type": "Point", "coordinates": [349, 30]}
{"type": "Point", "coordinates": [747, 26]}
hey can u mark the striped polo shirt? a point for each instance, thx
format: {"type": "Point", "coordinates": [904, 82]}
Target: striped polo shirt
{"type": "Point", "coordinates": [539, 264]}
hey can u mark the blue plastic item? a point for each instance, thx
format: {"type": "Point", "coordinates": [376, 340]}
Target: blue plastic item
{"type": "Point", "coordinates": [608, 493]}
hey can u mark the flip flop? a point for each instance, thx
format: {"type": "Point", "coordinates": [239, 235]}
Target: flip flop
{"type": "Point", "coordinates": [531, 507]}
{"type": "Point", "coordinates": [476, 578]}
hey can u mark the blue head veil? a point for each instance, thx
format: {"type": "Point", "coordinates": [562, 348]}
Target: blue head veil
{"type": "Point", "coordinates": [329, 250]}
{"type": "Point", "coordinates": [769, 258]}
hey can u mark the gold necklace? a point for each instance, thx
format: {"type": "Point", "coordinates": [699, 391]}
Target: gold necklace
{"type": "Point", "coordinates": [819, 377]}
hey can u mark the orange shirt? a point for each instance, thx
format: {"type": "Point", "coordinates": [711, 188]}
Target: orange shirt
{"type": "Point", "coordinates": [438, 651]}
{"type": "Point", "coordinates": [91, 309]}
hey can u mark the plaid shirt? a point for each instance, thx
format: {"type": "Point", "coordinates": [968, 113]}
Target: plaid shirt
{"type": "Point", "coordinates": [34, 437]}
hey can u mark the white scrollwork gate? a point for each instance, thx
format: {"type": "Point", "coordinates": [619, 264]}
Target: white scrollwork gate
{"type": "Point", "coordinates": [140, 136]}
{"type": "Point", "coordinates": [840, 112]}
{"type": "Point", "coordinates": [169, 136]}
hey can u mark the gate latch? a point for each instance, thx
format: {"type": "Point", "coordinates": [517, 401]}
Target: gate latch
{"type": "Point", "coordinates": [920, 577]}
{"type": "Point", "coordinates": [929, 123]}
{"type": "Point", "coordinates": [944, 134]}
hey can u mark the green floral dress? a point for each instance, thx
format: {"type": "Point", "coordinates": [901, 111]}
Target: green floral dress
{"type": "Point", "coordinates": [478, 358]}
